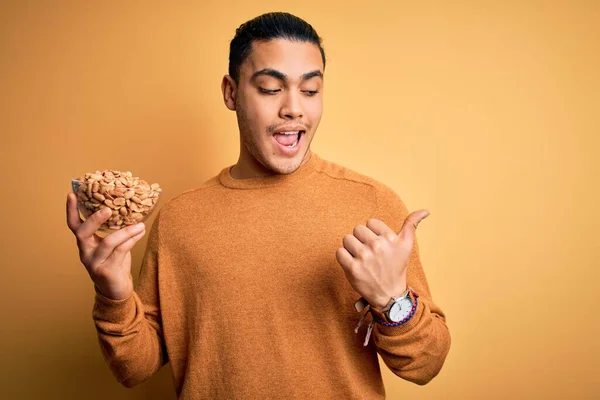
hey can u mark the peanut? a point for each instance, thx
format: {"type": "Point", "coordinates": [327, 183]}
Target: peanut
{"type": "Point", "coordinates": [99, 197]}
{"type": "Point", "coordinates": [129, 198]}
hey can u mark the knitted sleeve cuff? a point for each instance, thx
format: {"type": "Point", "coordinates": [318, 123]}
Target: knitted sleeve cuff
{"type": "Point", "coordinates": [118, 312]}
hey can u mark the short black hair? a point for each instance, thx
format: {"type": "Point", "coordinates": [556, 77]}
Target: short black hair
{"type": "Point", "coordinates": [265, 27]}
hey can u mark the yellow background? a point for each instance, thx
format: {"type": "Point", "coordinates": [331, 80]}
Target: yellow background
{"type": "Point", "coordinates": [484, 112]}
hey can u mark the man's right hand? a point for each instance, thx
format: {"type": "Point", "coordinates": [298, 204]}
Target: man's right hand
{"type": "Point", "coordinates": [107, 260]}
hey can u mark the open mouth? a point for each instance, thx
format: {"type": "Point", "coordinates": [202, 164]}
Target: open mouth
{"type": "Point", "coordinates": [289, 139]}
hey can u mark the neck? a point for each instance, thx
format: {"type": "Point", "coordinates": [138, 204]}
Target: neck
{"type": "Point", "coordinates": [248, 167]}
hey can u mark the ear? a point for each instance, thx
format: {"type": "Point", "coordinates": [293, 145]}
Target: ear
{"type": "Point", "coordinates": [228, 87]}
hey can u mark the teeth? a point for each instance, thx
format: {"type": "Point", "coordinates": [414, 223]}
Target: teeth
{"type": "Point", "coordinates": [293, 144]}
{"type": "Point", "coordinates": [289, 133]}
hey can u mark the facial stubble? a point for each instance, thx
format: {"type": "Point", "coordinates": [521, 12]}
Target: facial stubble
{"type": "Point", "coordinates": [249, 140]}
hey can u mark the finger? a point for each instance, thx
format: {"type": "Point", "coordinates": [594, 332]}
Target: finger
{"type": "Point", "coordinates": [353, 245]}
{"type": "Point", "coordinates": [86, 231]}
{"type": "Point", "coordinates": [119, 253]}
{"type": "Point", "coordinates": [381, 229]}
{"type": "Point", "coordinates": [73, 220]}
{"type": "Point", "coordinates": [344, 258]}
{"type": "Point", "coordinates": [364, 234]}
{"type": "Point", "coordinates": [109, 243]}
{"type": "Point", "coordinates": [412, 221]}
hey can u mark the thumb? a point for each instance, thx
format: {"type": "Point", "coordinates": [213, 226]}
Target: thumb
{"type": "Point", "coordinates": [412, 221]}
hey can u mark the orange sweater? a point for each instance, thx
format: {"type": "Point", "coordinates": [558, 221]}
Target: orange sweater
{"type": "Point", "coordinates": [241, 292]}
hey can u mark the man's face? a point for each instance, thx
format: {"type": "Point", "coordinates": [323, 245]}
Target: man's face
{"type": "Point", "coordinates": [279, 103]}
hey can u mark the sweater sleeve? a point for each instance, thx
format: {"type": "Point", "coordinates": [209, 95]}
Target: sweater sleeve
{"type": "Point", "coordinates": [416, 350]}
{"type": "Point", "coordinates": [129, 330]}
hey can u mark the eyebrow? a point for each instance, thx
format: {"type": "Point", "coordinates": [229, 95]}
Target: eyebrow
{"type": "Point", "coordinates": [283, 77]}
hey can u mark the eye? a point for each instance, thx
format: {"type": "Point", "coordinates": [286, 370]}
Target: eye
{"type": "Point", "coordinates": [268, 91]}
{"type": "Point", "coordinates": [310, 93]}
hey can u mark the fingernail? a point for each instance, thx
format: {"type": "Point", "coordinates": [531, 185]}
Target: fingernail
{"type": "Point", "coordinates": [139, 226]}
{"type": "Point", "coordinates": [106, 211]}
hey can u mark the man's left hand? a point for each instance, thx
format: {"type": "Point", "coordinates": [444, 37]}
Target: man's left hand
{"type": "Point", "coordinates": [374, 258]}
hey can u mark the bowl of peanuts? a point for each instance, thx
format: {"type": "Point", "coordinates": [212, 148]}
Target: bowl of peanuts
{"type": "Point", "coordinates": [131, 199]}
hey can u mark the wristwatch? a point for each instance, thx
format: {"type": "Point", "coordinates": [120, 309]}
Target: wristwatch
{"type": "Point", "coordinates": [399, 308]}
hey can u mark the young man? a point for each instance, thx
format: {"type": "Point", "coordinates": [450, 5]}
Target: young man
{"type": "Point", "coordinates": [249, 282]}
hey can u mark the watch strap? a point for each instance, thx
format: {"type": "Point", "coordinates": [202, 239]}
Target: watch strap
{"type": "Point", "coordinates": [379, 317]}
{"type": "Point", "coordinates": [383, 318]}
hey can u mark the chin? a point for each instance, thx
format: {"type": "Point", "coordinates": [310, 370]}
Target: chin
{"type": "Point", "coordinates": [288, 169]}
{"type": "Point", "coordinates": [285, 166]}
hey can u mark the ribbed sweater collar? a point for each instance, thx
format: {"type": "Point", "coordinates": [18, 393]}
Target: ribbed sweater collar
{"type": "Point", "coordinates": [301, 173]}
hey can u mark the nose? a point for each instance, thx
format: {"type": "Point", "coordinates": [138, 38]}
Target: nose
{"type": "Point", "coordinates": [291, 108]}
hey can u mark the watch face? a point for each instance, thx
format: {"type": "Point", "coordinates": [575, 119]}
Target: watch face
{"type": "Point", "coordinates": [401, 309]}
